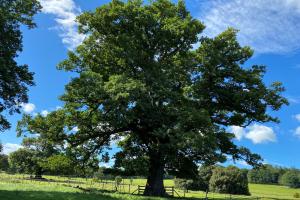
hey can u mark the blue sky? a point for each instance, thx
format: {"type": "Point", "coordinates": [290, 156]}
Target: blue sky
{"type": "Point", "coordinates": [271, 27]}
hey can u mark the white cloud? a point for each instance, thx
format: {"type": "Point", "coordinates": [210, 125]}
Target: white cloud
{"type": "Point", "coordinates": [256, 133]}
{"type": "Point", "coordinates": [243, 163]}
{"type": "Point", "coordinates": [28, 107]}
{"type": "Point", "coordinates": [109, 164]}
{"type": "Point", "coordinates": [268, 26]}
{"type": "Point", "coordinates": [9, 148]}
{"type": "Point", "coordinates": [297, 131]}
{"type": "Point", "coordinates": [65, 12]}
{"type": "Point", "coordinates": [44, 113]}
{"type": "Point", "coordinates": [297, 117]}
{"type": "Point", "coordinates": [239, 132]}
{"type": "Point", "coordinates": [260, 134]}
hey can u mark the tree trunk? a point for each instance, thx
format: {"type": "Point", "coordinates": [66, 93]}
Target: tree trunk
{"type": "Point", "coordinates": [38, 173]}
{"type": "Point", "coordinates": [206, 194]}
{"type": "Point", "coordinates": [155, 180]}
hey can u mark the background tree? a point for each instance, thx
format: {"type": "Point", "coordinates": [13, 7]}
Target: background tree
{"type": "Point", "coordinates": [139, 77]}
{"type": "Point", "coordinates": [291, 179]}
{"type": "Point", "coordinates": [59, 165]}
{"type": "Point", "coordinates": [3, 160]}
{"type": "Point", "coordinates": [23, 161]}
{"type": "Point", "coordinates": [204, 176]}
{"type": "Point", "coordinates": [265, 175]}
{"type": "Point", "coordinates": [43, 136]}
{"type": "Point", "coordinates": [85, 162]}
{"type": "Point", "coordinates": [230, 180]}
{"type": "Point", "coordinates": [14, 78]}
{"type": "Point", "coordinates": [4, 165]}
{"type": "Point", "coordinates": [99, 174]}
{"type": "Point", "coordinates": [39, 144]}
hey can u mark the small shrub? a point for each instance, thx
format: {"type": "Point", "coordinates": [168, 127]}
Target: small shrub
{"type": "Point", "coordinates": [180, 183]}
{"type": "Point", "coordinates": [297, 195]}
{"type": "Point", "coordinates": [230, 180]}
{"type": "Point", "coordinates": [185, 184]}
{"type": "Point", "coordinates": [118, 180]}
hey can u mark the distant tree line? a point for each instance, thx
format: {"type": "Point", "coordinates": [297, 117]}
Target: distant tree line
{"type": "Point", "coordinates": [269, 174]}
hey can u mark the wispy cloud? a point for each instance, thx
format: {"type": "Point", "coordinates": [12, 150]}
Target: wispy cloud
{"type": "Point", "coordinates": [268, 26]}
{"type": "Point", "coordinates": [256, 133]}
{"type": "Point", "coordinates": [9, 148]}
{"type": "Point", "coordinates": [293, 99]}
{"type": "Point", "coordinates": [65, 12]}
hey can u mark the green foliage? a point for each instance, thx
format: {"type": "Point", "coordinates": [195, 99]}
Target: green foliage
{"type": "Point", "coordinates": [39, 145]}
{"type": "Point", "coordinates": [59, 165]}
{"type": "Point", "coordinates": [230, 180]}
{"type": "Point", "coordinates": [265, 175]}
{"type": "Point", "coordinates": [131, 161]}
{"type": "Point", "coordinates": [1, 147]}
{"type": "Point", "coordinates": [24, 161]}
{"type": "Point", "coordinates": [51, 152]}
{"type": "Point", "coordinates": [4, 165]}
{"type": "Point", "coordinates": [99, 175]}
{"type": "Point", "coordinates": [183, 184]}
{"type": "Point", "coordinates": [200, 181]}
{"type": "Point", "coordinates": [15, 78]}
{"type": "Point", "coordinates": [296, 195]}
{"type": "Point", "coordinates": [204, 176]}
{"type": "Point", "coordinates": [118, 180]}
{"type": "Point", "coordinates": [291, 179]}
{"type": "Point", "coordinates": [85, 162]}
{"type": "Point", "coordinates": [140, 78]}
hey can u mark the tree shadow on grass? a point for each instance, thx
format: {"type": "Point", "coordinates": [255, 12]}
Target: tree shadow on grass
{"type": "Point", "coordinates": [49, 195]}
{"type": "Point", "coordinates": [54, 195]}
{"type": "Point", "coordinates": [44, 195]}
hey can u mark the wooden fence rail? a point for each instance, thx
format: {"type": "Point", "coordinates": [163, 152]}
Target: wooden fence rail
{"type": "Point", "coordinates": [169, 190]}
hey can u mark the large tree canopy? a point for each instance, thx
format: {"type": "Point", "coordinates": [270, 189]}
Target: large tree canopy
{"type": "Point", "coordinates": [139, 77]}
{"type": "Point", "coordinates": [14, 78]}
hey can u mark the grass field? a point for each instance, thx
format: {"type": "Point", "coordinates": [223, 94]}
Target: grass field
{"type": "Point", "coordinates": [60, 188]}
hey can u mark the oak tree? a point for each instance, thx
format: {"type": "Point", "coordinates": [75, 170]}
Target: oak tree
{"type": "Point", "coordinates": [140, 77]}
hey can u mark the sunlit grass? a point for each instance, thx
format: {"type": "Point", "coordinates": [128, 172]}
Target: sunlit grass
{"type": "Point", "coordinates": [15, 187]}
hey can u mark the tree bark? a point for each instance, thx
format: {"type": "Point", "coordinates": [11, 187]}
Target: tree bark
{"type": "Point", "coordinates": [155, 180]}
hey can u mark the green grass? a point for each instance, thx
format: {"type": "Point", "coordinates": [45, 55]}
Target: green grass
{"type": "Point", "coordinates": [15, 187]}
{"type": "Point", "coordinates": [272, 191]}
{"type": "Point", "coordinates": [31, 191]}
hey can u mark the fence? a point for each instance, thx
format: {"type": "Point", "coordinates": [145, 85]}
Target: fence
{"type": "Point", "coordinates": [169, 190]}
{"type": "Point", "coordinates": [128, 186]}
